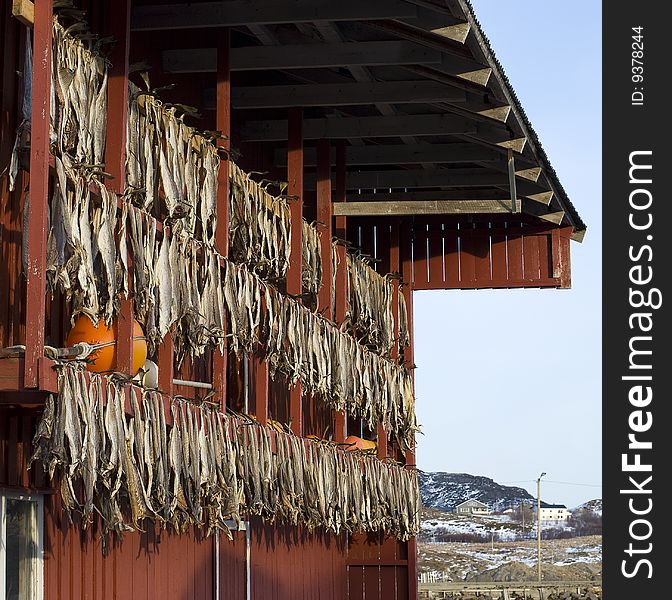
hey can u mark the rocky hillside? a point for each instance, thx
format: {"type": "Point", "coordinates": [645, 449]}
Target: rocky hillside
{"type": "Point", "coordinates": [444, 491]}
{"type": "Point", "coordinates": [594, 506]}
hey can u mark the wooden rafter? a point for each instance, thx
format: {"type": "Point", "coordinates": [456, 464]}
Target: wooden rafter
{"type": "Point", "coordinates": [302, 56]}
{"type": "Point", "coordinates": [243, 12]}
{"type": "Point", "coordinates": [344, 94]}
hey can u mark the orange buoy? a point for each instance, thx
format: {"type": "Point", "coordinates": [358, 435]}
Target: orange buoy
{"type": "Point", "coordinates": [357, 443]}
{"type": "Point", "coordinates": [104, 359]}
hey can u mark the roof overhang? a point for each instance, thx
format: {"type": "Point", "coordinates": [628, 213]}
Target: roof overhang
{"type": "Point", "coordinates": [432, 124]}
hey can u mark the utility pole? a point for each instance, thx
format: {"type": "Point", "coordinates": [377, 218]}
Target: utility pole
{"type": "Point", "coordinates": [539, 527]}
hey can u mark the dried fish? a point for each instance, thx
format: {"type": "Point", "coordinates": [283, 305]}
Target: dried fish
{"type": "Point", "coordinates": [208, 467]}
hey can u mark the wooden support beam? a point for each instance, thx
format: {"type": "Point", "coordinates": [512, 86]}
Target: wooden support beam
{"type": "Point", "coordinates": [242, 12]}
{"type": "Point", "coordinates": [363, 127]}
{"type": "Point", "coordinates": [39, 194]}
{"type": "Point", "coordinates": [431, 178]}
{"type": "Point", "coordinates": [118, 18]}
{"type": "Point", "coordinates": [24, 11]}
{"type": "Point", "coordinates": [295, 188]}
{"type": "Point", "coordinates": [324, 217]}
{"type": "Point", "coordinates": [381, 436]}
{"type": "Point", "coordinates": [261, 390]}
{"type": "Point", "coordinates": [340, 196]}
{"type": "Point", "coordinates": [117, 96]}
{"type": "Point", "coordinates": [302, 56]}
{"type": "Point", "coordinates": [223, 124]}
{"type": "Point", "coordinates": [340, 296]}
{"type": "Point", "coordinates": [422, 207]}
{"type": "Point", "coordinates": [344, 94]}
{"type": "Point", "coordinates": [404, 154]}
{"type": "Point", "coordinates": [165, 360]}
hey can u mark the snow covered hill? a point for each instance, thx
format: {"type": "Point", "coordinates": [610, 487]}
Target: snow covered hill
{"type": "Point", "coordinates": [594, 506]}
{"type": "Point", "coordinates": [444, 491]}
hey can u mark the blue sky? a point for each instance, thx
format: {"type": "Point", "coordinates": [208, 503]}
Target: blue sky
{"type": "Point", "coordinates": [509, 381]}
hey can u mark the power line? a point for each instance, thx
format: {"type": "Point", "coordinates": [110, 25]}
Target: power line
{"type": "Point", "coordinates": [574, 483]}
{"type": "Point", "coordinates": [552, 481]}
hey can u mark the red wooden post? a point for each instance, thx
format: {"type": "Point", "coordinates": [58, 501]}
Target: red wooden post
{"type": "Point", "coordinates": [340, 418]}
{"type": "Point", "coordinates": [324, 216]}
{"type": "Point", "coordinates": [406, 268]}
{"type": "Point", "coordinates": [220, 359]}
{"type": "Point", "coordinates": [119, 20]}
{"type": "Point", "coordinates": [295, 188]}
{"type": "Point", "coordinates": [261, 390]}
{"type": "Point", "coordinates": [341, 222]}
{"type": "Point", "coordinates": [39, 192]}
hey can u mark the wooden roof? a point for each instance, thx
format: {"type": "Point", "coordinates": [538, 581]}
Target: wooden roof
{"type": "Point", "coordinates": [413, 85]}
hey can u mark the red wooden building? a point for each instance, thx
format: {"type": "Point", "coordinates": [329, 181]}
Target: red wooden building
{"type": "Point", "coordinates": [344, 154]}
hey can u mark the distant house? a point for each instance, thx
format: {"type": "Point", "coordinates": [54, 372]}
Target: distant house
{"type": "Point", "coordinates": [472, 507]}
{"type": "Point", "coordinates": [553, 514]}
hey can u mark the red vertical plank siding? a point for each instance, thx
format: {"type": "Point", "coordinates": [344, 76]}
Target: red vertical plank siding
{"type": "Point", "coordinates": [435, 256]}
{"type": "Point", "coordinates": [481, 248]}
{"type": "Point", "coordinates": [39, 191]}
{"type": "Point", "coordinates": [295, 188]}
{"type": "Point", "coordinates": [324, 216]}
{"type": "Point", "coordinates": [467, 256]}
{"type": "Point", "coordinates": [383, 241]}
{"type": "Point", "coordinates": [406, 589]}
{"type": "Point", "coordinates": [420, 258]}
{"type": "Point", "coordinates": [531, 257]}
{"type": "Point", "coordinates": [498, 258]}
{"type": "Point", "coordinates": [223, 123]}
{"type": "Point", "coordinates": [545, 267]}
{"type": "Point", "coordinates": [355, 583]}
{"type": "Point", "coordinates": [388, 582]}
{"type": "Point", "coordinates": [515, 255]}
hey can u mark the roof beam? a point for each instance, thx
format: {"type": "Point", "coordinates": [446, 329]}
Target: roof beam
{"type": "Point", "coordinates": [344, 94]}
{"type": "Point", "coordinates": [398, 208]}
{"type": "Point", "coordinates": [301, 56]}
{"type": "Point", "coordinates": [362, 127]}
{"type": "Point", "coordinates": [263, 12]}
{"type": "Point", "coordinates": [443, 178]}
{"type": "Point", "coordinates": [403, 154]}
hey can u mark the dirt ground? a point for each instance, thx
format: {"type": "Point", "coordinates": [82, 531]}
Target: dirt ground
{"type": "Point", "coordinates": [567, 559]}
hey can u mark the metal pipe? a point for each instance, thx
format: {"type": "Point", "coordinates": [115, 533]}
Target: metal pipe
{"type": "Point", "coordinates": [217, 565]}
{"type": "Point", "coordinates": [539, 527]}
{"type": "Point", "coordinates": [193, 384]}
{"type": "Point", "coordinates": [248, 570]}
{"type": "Point", "coordinates": [512, 181]}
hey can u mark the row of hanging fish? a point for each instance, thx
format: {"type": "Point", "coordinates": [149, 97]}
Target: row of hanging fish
{"type": "Point", "coordinates": [83, 258]}
{"type": "Point", "coordinates": [206, 468]}
{"type": "Point", "coordinates": [188, 289]}
{"type": "Point", "coordinates": [167, 159]}
{"type": "Point", "coordinates": [79, 96]}
{"type": "Point", "coordinates": [259, 226]}
{"type": "Point", "coordinates": [369, 298]}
